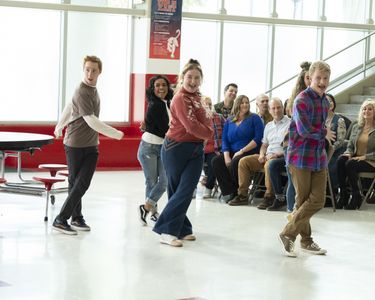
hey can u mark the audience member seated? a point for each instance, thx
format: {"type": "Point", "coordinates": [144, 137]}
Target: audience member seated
{"type": "Point", "coordinates": [358, 157]}
{"type": "Point", "coordinates": [336, 133]}
{"type": "Point", "coordinates": [263, 112]}
{"type": "Point", "coordinates": [271, 152]}
{"type": "Point", "coordinates": [212, 148]}
{"type": "Point", "coordinates": [263, 108]}
{"type": "Point", "coordinates": [225, 107]}
{"type": "Point", "coordinates": [242, 136]}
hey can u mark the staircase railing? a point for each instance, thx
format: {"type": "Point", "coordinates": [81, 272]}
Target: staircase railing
{"type": "Point", "coordinates": [361, 69]}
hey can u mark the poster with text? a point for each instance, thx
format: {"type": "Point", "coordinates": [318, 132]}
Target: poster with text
{"type": "Point", "coordinates": [165, 33]}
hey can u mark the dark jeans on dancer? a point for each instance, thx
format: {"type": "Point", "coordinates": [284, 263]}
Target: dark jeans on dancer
{"type": "Point", "coordinates": [183, 162]}
{"type": "Point", "coordinates": [81, 165]}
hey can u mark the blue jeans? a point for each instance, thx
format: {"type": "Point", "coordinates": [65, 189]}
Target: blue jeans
{"type": "Point", "coordinates": [183, 162]}
{"type": "Point", "coordinates": [149, 155]}
{"type": "Point", "coordinates": [290, 191]}
{"type": "Point", "coordinates": [276, 166]}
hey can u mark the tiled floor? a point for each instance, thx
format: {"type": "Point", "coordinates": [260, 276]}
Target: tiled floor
{"type": "Point", "coordinates": [236, 256]}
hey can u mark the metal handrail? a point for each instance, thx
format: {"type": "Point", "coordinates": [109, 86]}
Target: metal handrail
{"type": "Point", "coordinates": [329, 57]}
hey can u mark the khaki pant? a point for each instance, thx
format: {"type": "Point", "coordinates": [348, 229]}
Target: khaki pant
{"type": "Point", "coordinates": [247, 166]}
{"type": "Point", "coordinates": [310, 189]}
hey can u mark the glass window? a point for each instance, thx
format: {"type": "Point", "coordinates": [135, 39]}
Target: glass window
{"type": "Point", "coordinates": [334, 41]}
{"type": "Point", "coordinates": [372, 47]}
{"type": "Point", "coordinates": [106, 37]}
{"type": "Point", "coordinates": [289, 53]}
{"type": "Point", "coordinates": [29, 74]}
{"type": "Point", "coordinates": [104, 3]}
{"type": "Point", "coordinates": [245, 58]}
{"type": "Point", "coordinates": [41, 1]}
{"type": "Point", "coordinates": [201, 6]}
{"type": "Point", "coordinates": [297, 9]}
{"type": "Point", "coordinates": [348, 11]}
{"type": "Point", "coordinates": [203, 47]}
{"type": "Point", "coordinates": [254, 8]}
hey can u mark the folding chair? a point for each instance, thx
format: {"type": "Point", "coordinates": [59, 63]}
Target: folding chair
{"type": "Point", "coordinates": [369, 175]}
{"type": "Point", "coordinates": [256, 184]}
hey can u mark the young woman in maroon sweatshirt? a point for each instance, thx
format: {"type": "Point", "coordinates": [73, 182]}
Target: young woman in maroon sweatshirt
{"type": "Point", "coordinates": [182, 155]}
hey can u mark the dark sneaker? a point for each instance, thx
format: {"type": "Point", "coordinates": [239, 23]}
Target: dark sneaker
{"type": "Point", "coordinates": [80, 224]}
{"type": "Point", "coordinates": [266, 202]}
{"type": "Point", "coordinates": [63, 227]}
{"type": "Point", "coordinates": [154, 217]}
{"type": "Point", "coordinates": [277, 205]}
{"type": "Point", "coordinates": [288, 245]}
{"type": "Point", "coordinates": [143, 215]}
{"type": "Point", "coordinates": [313, 248]}
{"type": "Point", "coordinates": [239, 200]}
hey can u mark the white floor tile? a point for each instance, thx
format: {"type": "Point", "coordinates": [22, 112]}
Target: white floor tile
{"type": "Point", "coordinates": [236, 255]}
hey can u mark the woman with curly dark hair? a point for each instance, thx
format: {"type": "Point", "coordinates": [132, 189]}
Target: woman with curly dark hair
{"type": "Point", "coordinates": [156, 124]}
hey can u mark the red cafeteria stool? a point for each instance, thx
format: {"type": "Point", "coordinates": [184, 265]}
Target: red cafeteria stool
{"type": "Point", "coordinates": [53, 168]}
{"type": "Point", "coordinates": [48, 184]}
{"type": "Point", "coordinates": [63, 173]}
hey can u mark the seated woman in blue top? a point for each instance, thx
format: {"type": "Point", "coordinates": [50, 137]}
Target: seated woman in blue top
{"type": "Point", "coordinates": [242, 136]}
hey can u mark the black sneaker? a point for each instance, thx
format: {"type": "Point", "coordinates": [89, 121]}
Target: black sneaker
{"type": "Point", "coordinates": [143, 214]}
{"type": "Point", "coordinates": [154, 217]}
{"type": "Point", "coordinates": [63, 227]}
{"type": "Point", "coordinates": [80, 224]}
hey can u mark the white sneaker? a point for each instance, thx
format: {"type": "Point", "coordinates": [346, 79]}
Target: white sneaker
{"type": "Point", "coordinates": [170, 240]}
{"type": "Point", "coordinates": [189, 237]}
{"type": "Point", "coordinates": [207, 193]}
{"type": "Point", "coordinates": [313, 248]}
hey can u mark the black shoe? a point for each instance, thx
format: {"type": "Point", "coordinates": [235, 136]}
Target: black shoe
{"type": "Point", "coordinates": [143, 214]}
{"type": "Point", "coordinates": [63, 227]}
{"type": "Point", "coordinates": [154, 217]}
{"type": "Point", "coordinates": [342, 200]}
{"type": "Point", "coordinates": [277, 205]}
{"type": "Point", "coordinates": [80, 224]}
{"type": "Point", "coordinates": [355, 201]}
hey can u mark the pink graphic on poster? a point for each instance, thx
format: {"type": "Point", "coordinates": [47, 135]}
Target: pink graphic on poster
{"type": "Point", "coordinates": [165, 33]}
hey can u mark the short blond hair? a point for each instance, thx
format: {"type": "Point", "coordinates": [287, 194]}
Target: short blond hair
{"type": "Point", "coordinates": [321, 66]}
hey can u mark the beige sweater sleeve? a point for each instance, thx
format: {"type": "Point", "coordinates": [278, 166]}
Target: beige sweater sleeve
{"type": "Point", "coordinates": [64, 120]}
{"type": "Point", "coordinates": [103, 128]}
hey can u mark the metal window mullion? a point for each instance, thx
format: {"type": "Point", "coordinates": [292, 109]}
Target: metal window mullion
{"type": "Point", "coordinates": [63, 58]}
{"type": "Point", "coordinates": [220, 53]}
{"type": "Point", "coordinates": [271, 57]}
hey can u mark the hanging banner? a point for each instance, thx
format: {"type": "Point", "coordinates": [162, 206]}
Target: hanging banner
{"type": "Point", "coordinates": [165, 32]}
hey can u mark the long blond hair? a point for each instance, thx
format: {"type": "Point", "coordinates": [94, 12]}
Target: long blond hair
{"type": "Point", "coordinates": [361, 120]}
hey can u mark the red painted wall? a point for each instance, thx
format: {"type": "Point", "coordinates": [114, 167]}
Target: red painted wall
{"type": "Point", "coordinates": [113, 154]}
